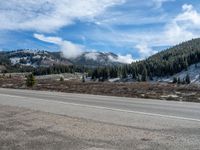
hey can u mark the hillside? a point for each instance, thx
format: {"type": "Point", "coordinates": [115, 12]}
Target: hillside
{"type": "Point", "coordinates": [33, 58]}
{"type": "Point", "coordinates": [175, 59]}
{"type": "Point", "coordinates": [193, 71]}
{"type": "Point", "coordinates": [165, 64]}
{"type": "Point", "coordinates": [169, 62]}
{"type": "Point", "coordinates": [36, 58]}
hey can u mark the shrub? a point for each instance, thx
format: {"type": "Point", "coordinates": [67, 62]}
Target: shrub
{"type": "Point", "coordinates": [30, 80]}
{"type": "Point", "coordinates": [61, 79]}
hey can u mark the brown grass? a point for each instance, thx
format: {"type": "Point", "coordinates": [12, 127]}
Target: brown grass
{"type": "Point", "coordinates": [136, 90]}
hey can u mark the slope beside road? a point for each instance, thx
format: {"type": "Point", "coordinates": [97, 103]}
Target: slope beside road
{"type": "Point", "coordinates": [157, 124]}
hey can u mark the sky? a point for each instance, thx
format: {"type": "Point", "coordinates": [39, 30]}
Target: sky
{"type": "Point", "coordinates": [133, 29]}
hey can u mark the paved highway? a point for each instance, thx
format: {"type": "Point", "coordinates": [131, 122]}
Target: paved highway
{"type": "Point", "coordinates": [146, 107]}
{"type": "Point", "coordinates": [87, 106]}
{"type": "Point", "coordinates": [167, 124]}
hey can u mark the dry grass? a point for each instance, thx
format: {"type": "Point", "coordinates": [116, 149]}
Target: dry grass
{"type": "Point", "coordinates": [136, 90]}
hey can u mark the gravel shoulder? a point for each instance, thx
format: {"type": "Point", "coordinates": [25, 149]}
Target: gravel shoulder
{"type": "Point", "coordinates": [26, 129]}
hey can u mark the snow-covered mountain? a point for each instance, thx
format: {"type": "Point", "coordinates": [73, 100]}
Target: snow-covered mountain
{"type": "Point", "coordinates": [97, 59]}
{"type": "Point", "coordinates": [38, 58]}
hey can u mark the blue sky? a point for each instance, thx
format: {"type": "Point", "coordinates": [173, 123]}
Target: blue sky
{"type": "Point", "coordinates": [133, 29]}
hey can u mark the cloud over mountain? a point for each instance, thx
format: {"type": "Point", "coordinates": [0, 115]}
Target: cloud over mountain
{"type": "Point", "coordinates": [139, 28]}
{"type": "Point", "coordinates": [69, 49]}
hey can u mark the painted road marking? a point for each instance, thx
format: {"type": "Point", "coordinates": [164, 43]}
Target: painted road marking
{"type": "Point", "coordinates": [105, 108]}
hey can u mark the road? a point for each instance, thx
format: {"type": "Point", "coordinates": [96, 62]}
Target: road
{"type": "Point", "coordinates": [168, 109]}
{"type": "Point", "coordinates": [181, 117]}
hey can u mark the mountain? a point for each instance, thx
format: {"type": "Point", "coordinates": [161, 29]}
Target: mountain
{"type": "Point", "coordinates": [171, 61]}
{"type": "Point", "coordinates": [179, 61]}
{"type": "Point", "coordinates": [37, 58]}
{"type": "Point", "coordinates": [33, 58]}
{"type": "Point", "coordinates": [92, 59]}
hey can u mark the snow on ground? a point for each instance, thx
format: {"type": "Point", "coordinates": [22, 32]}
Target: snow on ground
{"type": "Point", "coordinates": [114, 80]}
{"type": "Point", "coordinates": [15, 60]}
{"type": "Point", "coordinates": [66, 76]}
{"type": "Point", "coordinates": [37, 57]}
{"type": "Point", "coordinates": [193, 71]}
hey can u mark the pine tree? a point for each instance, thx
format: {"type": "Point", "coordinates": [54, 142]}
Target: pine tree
{"type": "Point", "coordinates": [179, 80]}
{"type": "Point", "coordinates": [30, 81]}
{"type": "Point", "coordinates": [61, 79]}
{"type": "Point", "coordinates": [187, 79]}
{"type": "Point", "coordinates": [175, 80]}
{"type": "Point", "coordinates": [144, 74]}
{"type": "Point", "coordinates": [134, 74]}
{"type": "Point", "coordinates": [124, 73]}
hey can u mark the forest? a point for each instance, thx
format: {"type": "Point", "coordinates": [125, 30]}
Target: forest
{"type": "Point", "coordinates": [165, 63]}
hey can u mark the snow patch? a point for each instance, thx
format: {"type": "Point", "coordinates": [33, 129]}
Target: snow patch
{"type": "Point", "coordinates": [15, 60]}
{"type": "Point", "coordinates": [37, 57]}
{"type": "Point", "coordinates": [193, 71]}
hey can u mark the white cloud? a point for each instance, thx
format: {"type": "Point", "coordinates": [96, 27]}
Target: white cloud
{"type": "Point", "coordinates": [127, 59]}
{"type": "Point", "coordinates": [92, 55]}
{"type": "Point", "coordinates": [69, 49]}
{"type": "Point", "coordinates": [187, 7]}
{"type": "Point", "coordinates": [144, 50]}
{"type": "Point", "coordinates": [189, 18]}
{"type": "Point", "coordinates": [49, 15]}
{"type": "Point", "coordinates": [184, 26]}
{"type": "Point", "coordinates": [159, 3]}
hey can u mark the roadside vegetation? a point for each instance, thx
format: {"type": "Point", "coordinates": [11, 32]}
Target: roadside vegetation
{"type": "Point", "coordinates": [30, 80]}
{"type": "Point", "coordinates": [163, 91]}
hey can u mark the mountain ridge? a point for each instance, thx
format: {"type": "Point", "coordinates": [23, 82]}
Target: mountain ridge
{"type": "Point", "coordinates": [42, 58]}
{"type": "Point", "coordinates": [164, 64]}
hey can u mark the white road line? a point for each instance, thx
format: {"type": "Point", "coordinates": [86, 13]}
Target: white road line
{"type": "Point", "coordinates": [105, 108]}
{"type": "Point", "coordinates": [90, 96]}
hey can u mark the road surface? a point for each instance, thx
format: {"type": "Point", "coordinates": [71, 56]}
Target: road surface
{"type": "Point", "coordinates": [182, 118]}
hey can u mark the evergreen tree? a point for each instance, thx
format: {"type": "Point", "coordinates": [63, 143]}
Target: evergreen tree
{"type": "Point", "coordinates": [187, 79]}
{"type": "Point", "coordinates": [124, 73]}
{"type": "Point", "coordinates": [144, 74]}
{"type": "Point", "coordinates": [179, 80]}
{"type": "Point", "coordinates": [30, 80]}
{"type": "Point", "coordinates": [61, 79]}
{"type": "Point", "coordinates": [175, 80]}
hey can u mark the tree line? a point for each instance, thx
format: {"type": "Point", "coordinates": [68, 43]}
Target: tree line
{"type": "Point", "coordinates": [163, 64]}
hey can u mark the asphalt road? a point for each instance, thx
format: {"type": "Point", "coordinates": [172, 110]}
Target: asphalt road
{"type": "Point", "coordinates": [146, 107]}
{"type": "Point", "coordinates": [180, 119]}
